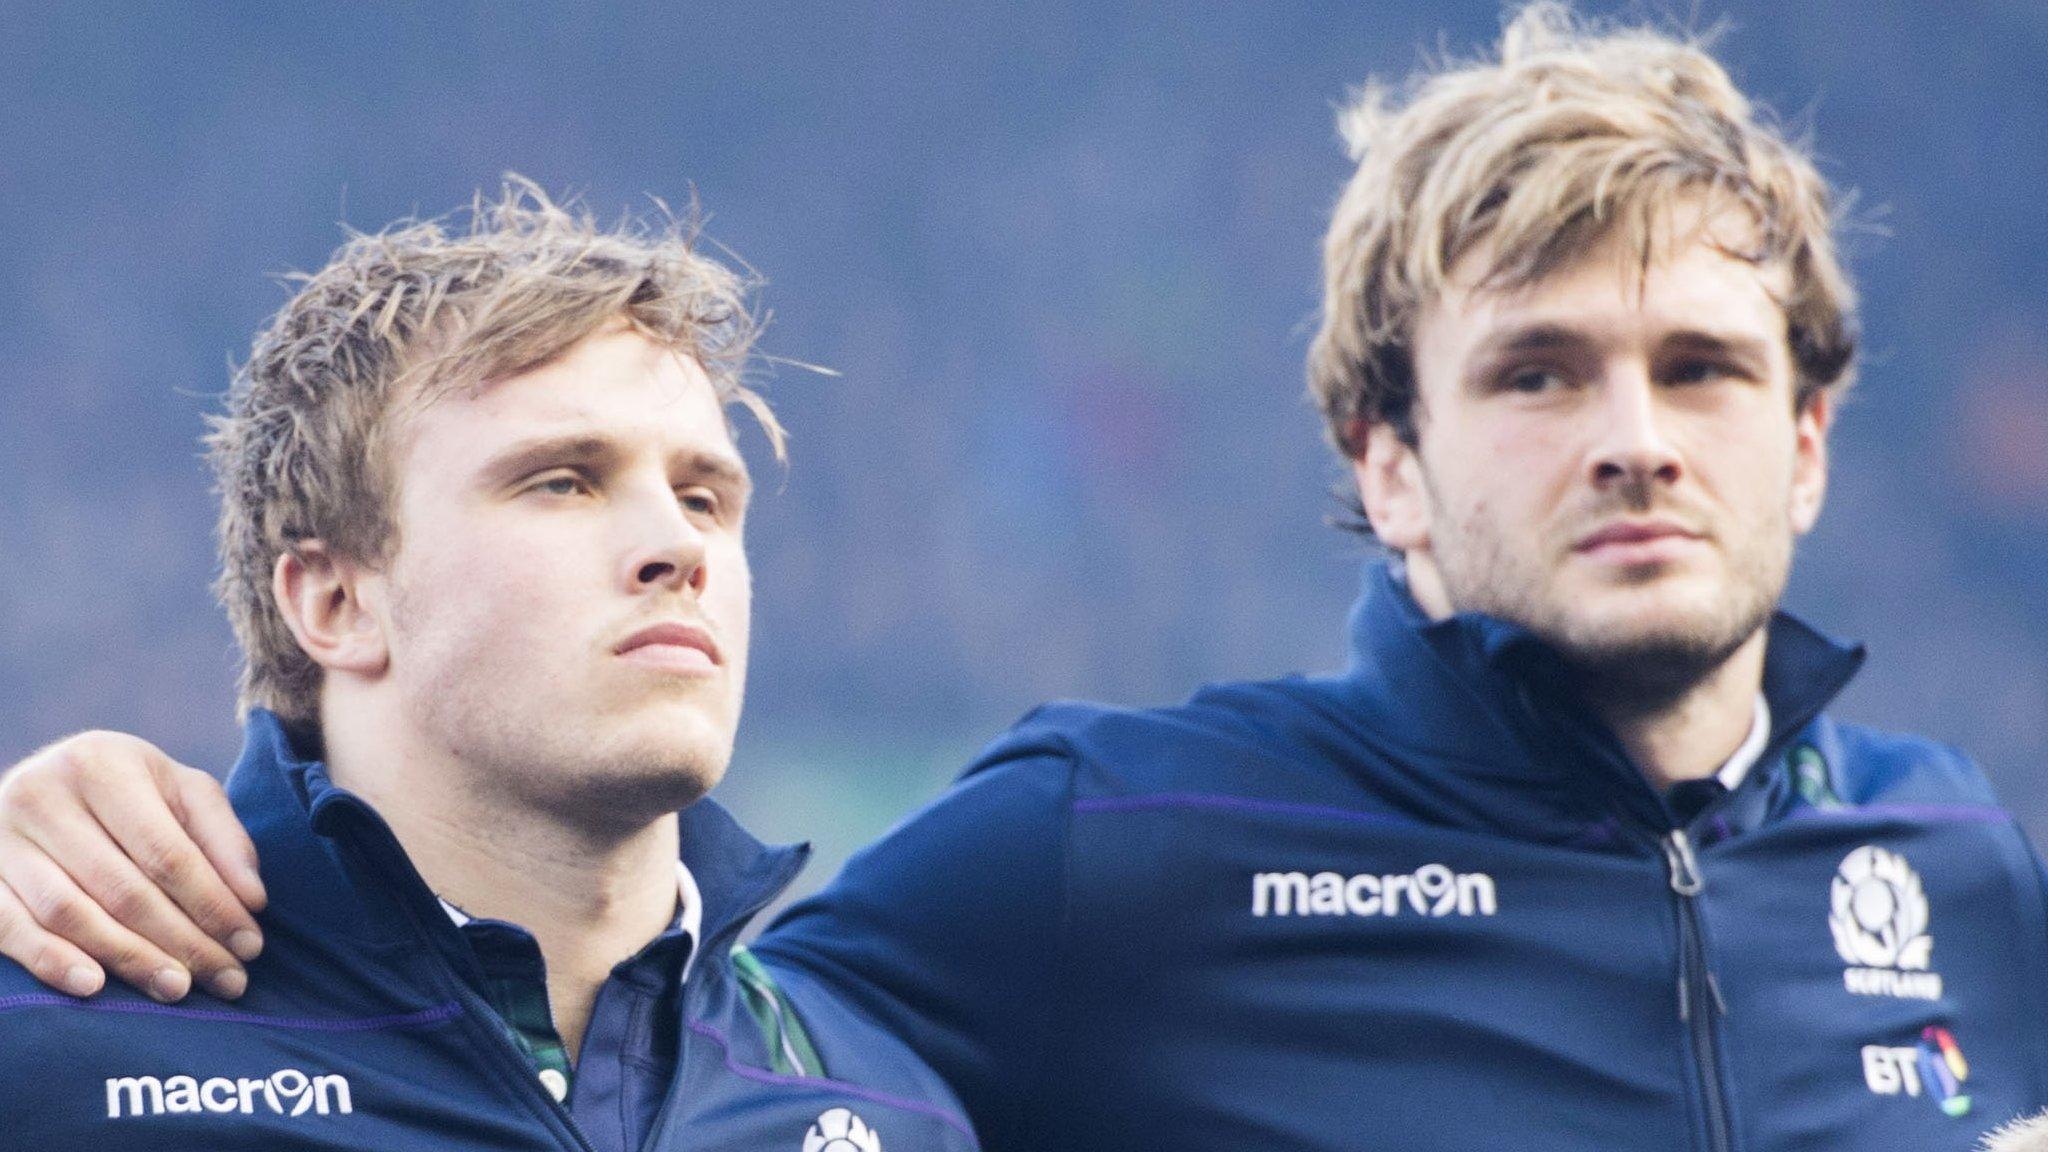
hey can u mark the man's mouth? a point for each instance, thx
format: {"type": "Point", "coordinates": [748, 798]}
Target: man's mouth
{"type": "Point", "coordinates": [1637, 541]}
{"type": "Point", "coordinates": [672, 646]}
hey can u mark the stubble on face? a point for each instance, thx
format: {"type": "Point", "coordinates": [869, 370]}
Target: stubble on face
{"type": "Point", "coordinates": [1653, 653]}
{"type": "Point", "coordinates": [545, 754]}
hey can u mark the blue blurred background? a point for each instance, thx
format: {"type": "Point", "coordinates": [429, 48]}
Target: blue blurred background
{"type": "Point", "coordinates": [1064, 256]}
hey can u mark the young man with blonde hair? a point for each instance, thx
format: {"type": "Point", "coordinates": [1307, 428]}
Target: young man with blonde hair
{"type": "Point", "coordinates": [1569, 856]}
{"type": "Point", "coordinates": [481, 541]}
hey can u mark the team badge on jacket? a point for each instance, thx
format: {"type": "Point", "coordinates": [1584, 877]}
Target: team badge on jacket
{"type": "Point", "coordinates": [1877, 912]}
{"type": "Point", "coordinates": [839, 1130]}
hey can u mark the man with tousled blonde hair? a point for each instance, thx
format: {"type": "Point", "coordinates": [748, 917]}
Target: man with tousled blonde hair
{"type": "Point", "coordinates": [392, 322]}
{"type": "Point", "coordinates": [481, 540]}
{"type": "Point", "coordinates": [1569, 856]}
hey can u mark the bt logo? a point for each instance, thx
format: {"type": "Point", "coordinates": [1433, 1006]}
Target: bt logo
{"type": "Point", "coordinates": [1935, 1066]}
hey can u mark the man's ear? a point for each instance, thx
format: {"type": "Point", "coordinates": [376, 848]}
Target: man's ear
{"type": "Point", "coordinates": [1390, 487]}
{"type": "Point", "coordinates": [1810, 460]}
{"type": "Point", "coordinates": [321, 597]}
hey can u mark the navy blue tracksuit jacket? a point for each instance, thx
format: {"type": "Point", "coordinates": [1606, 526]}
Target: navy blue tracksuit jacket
{"type": "Point", "coordinates": [357, 1031]}
{"type": "Point", "coordinates": [1428, 904]}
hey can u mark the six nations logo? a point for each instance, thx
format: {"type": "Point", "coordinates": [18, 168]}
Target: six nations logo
{"type": "Point", "coordinates": [1877, 912]}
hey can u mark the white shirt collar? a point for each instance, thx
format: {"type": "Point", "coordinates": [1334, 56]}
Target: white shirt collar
{"type": "Point", "coordinates": [1745, 757]}
{"type": "Point", "coordinates": [689, 912]}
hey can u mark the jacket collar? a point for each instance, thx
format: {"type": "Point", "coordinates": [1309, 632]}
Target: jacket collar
{"type": "Point", "coordinates": [332, 864]}
{"type": "Point", "coordinates": [1485, 693]}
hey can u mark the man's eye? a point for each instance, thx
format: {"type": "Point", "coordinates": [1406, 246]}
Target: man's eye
{"type": "Point", "coordinates": [1699, 372]}
{"type": "Point", "coordinates": [561, 485]}
{"type": "Point", "coordinates": [1532, 380]}
{"type": "Point", "coordinates": [699, 501]}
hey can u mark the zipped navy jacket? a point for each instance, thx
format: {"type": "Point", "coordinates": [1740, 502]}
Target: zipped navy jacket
{"type": "Point", "coordinates": [1429, 904]}
{"type": "Point", "coordinates": [358, 1032]}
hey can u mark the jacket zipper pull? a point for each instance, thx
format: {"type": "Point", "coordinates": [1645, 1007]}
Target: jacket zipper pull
{"type": "Point", "coordinates": [1685, 867]}
{"type": "Point", "coordinates": [1688, 882]}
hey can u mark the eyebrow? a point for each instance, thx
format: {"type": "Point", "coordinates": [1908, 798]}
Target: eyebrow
{"type": "Point", "coordinates": [532, 455]}
{"type": "Point", "coordinates": [721, 469]}
{"type": "Point", "coordinates": [1546, 337]}
{"type": "Point", "coordinates": [1741, 347]}
{"type": "Point", "coordinates": [1532, 338]}
{"type": "Point", "coordinates": [545, 451]}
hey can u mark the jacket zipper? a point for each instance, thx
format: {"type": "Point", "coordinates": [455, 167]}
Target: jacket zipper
{"type": "Point", "coordinates": [1699, 994]}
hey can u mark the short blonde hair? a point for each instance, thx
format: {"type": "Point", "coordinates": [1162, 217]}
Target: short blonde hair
{"type": "Point", "coordinates": [302, 451]}
{"type": "Point", "coordinates": [1579, 131]}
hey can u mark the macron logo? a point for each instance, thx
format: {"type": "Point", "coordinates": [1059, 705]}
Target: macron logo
{"type": "Point", "coordinates": [287, 1092]}
{"type": "Point", "coordinates": [1431, 890]}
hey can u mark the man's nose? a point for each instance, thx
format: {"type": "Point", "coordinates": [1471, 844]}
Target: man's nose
{"type": "Point", "coordinates": [666, 549]}
{"type": "Point", "coordinates": [1632, 442]}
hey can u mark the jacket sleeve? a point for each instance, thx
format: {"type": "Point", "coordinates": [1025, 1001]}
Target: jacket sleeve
{"type": "Point", "coordinates": [947, 932]}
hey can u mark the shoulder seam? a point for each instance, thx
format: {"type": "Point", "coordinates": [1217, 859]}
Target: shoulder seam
{"type": "Point", "coordinates": [424, 1018]}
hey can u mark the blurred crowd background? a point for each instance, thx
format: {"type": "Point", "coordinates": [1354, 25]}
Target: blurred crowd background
{"type": "Point", "coordinates": [1063, 258]}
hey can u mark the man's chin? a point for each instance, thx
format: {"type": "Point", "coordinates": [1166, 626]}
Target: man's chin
{"type": "Point", "coordinates": [657, 760]}
{"type": "Point", "coordinates": [1657, 652]}
{"type": "Point", "coordinates": [686, 727]}
{"type": "Point", "coordinates": [633, 786]}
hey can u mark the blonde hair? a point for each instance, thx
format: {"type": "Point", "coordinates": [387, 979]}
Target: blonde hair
{"type": "Point", "coordinates": [1580, 131]}
{"type": "Point", "coordinates": [302, 451]}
